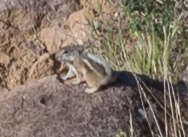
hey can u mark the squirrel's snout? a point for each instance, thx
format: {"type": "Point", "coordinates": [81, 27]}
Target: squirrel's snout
{"type": "Point", "coordinates": [58, 57]}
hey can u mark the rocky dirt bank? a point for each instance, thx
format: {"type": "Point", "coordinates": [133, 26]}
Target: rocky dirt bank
{"type": "Point", "coordinates": [29, 29]}
{"type": "Point", "coordinates": [30, 33]}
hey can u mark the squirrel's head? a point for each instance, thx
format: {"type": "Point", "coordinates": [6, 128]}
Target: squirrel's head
{"type": "Point", "coordinates": [69, 53]}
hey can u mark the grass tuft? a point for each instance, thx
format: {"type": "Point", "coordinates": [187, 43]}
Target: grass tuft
{"type": "Point", "coordinates": [151, 34]}
{"type": "Point", "coordinates": [151, 38]}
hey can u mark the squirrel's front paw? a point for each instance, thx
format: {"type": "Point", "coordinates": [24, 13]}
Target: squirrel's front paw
{"type": "Point", "coordinates": [91, 90]}
{"type": "Point", "coordinates": [76, 82]}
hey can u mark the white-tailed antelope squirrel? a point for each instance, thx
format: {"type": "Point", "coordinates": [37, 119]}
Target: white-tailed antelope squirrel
{"type": "Point", "coordinates": [86, 67]}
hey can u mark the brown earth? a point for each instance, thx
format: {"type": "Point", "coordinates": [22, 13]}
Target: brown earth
{"type": "Point", "coordinates": [32, 31]}
{"type": "Point", "coordinates": [26, 34]}
{"type": "Point", "coordinates": [49, 108]}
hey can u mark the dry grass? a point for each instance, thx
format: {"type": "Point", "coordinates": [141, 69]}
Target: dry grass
{"type": "Point", "coordinates": [158, 31]}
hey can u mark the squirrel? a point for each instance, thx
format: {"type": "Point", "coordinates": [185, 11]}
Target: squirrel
{"type": "Point", "coordinates": [87, 67]}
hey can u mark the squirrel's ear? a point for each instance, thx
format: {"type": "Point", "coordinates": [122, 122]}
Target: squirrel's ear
{"type": "Point", "coordinates": [80, 48]}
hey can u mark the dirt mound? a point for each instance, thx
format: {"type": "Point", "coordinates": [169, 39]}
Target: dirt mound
{"type": "Point", "coordinates": [21, 23]}
{"type": "Point", "coordinates": [49, 108]}
{"type": "Point", "coordinates": [33, 30]}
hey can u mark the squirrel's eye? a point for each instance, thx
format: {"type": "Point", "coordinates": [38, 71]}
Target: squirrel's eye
{"type": "Point", "coordinates": [65, 52]}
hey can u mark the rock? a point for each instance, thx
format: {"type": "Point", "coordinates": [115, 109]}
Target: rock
{"type": "Point", "coordinates": [64, 110]}
{"type": "Point", "coordinates": [79, 28]}
{"type": "Point", "coordinates": [74, 30]}
{"type": "Point", "coordinates": [20, 20]}
{"type": "Point", "coordinates": [42, 67]}
{"type": "Point", "coordinates": [4, 59]}
{"type": "Point", "coordinates": [21, 23]}
{"type": "Point", "coordinates": [35, 47]}
{"type": "Point", "coordinates": [59, 8]}
{"type": "Point", "coordinates": [32, 14]}
{"type": "Point", "coordinates": [49, 108]}
{"type": "Point", "coordinates": [52, 37]}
